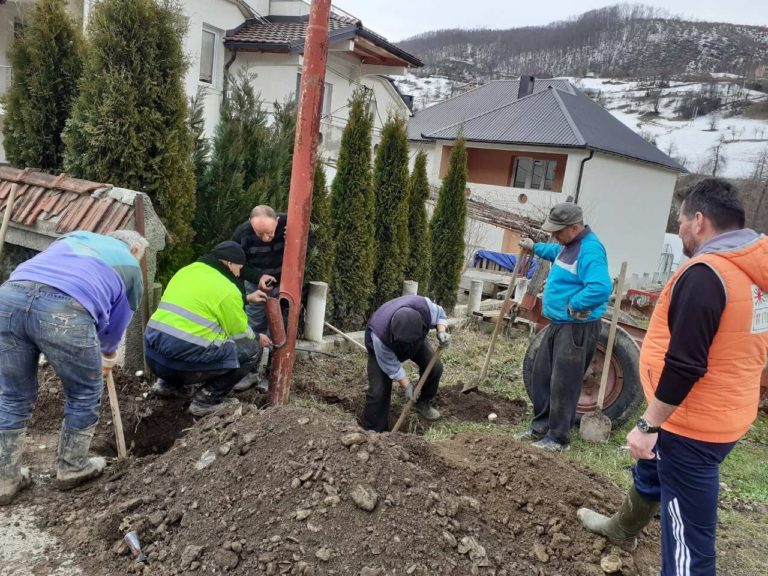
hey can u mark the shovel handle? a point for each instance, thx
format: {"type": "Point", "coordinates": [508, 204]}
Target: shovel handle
{"type": "Point", "coordinates": [417, 390]}
{"type": "Point", "coordinates": [510, 293]}
{"type": "Point", "coordinates": [611, 337]}
{"type": "Point", "coordinates": [116, 418]}
{"type": "Point", "coordinates": [347, 337]}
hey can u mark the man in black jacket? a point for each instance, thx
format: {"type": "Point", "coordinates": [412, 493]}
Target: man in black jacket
{"type": "Point", "coordinates": [262, 238]}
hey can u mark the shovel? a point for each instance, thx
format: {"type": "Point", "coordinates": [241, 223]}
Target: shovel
{"type": "Point", "coordinates": [417, 390]}
{"type": "Point", "coordinates": [116, 418]}
{"type": "Point", "coordinates": [476, 382]}
{"type": "Point", "coordinates": [596, 426]}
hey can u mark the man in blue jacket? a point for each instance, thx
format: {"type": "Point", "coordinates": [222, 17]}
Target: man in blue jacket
{"type": "Point", "coordinates": [575, 297]}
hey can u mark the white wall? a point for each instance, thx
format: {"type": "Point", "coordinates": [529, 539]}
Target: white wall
{"type": "Point", "coordinates": [506, 198]}
{"type": "Point", "coordinates": [627, 204]}
{"type": "Point", "coordinates": [275, 80]}
{"type": "Point", "coordinates": [219, 16]}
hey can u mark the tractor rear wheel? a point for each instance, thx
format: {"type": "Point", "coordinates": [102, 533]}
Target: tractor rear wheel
{"type": "Point", "coordinates": [624, 391]}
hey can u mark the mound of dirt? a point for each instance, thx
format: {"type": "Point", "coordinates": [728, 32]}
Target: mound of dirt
{"type": "Point", "coordinates": [294, 491]}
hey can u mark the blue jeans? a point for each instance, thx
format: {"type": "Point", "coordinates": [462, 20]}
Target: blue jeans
{"type": "Point", "coordinates": [684, 477]}
{"type": "Point", "coordinates": [37, 318]}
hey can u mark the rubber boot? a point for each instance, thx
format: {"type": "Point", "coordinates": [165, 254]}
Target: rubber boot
{"type": "Point", "coordinates": [623, 527]}
{"type": "Point", "coordinates": [13, 477]}
{"type": "Point", "coordinates": [75, 467]}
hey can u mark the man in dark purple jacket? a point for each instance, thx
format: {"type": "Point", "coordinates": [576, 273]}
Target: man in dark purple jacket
{"type": "Point", "coordinates": [397, 332]}
{"type": "Point", "coordinates": [72, 303]}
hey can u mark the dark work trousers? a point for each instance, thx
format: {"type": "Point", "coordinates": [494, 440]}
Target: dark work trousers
{"type": "Point", "coordinates": [214, 384]}
{"type": "Point", "coordinates": [558, 371]}
{"type": "Point", "coordinates": [376, 413]}
{"type": "Point", "coordinates": [685, 478]}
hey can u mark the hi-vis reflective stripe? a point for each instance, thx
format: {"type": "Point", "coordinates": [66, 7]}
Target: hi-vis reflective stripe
{"type": "Point", "coordinates": [247, 334]}
{"type": "Point", "coordinates": [191, 316]}
{"type": "Point", "coordinates": [181, 335]}
{"type": "Point", "coordinates": [682, 553]}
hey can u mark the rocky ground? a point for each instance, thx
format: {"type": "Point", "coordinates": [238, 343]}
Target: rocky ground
{"type": "Point", "coordinates": [299, 490]}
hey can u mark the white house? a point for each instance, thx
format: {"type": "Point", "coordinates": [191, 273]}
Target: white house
{"type": "Point", "coordinates": [266, 38]}
{"type": "Point", "coordinates": [534, 143]}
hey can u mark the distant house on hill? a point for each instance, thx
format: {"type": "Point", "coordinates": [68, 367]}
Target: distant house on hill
{"type": "Point", "coordinates": [534, 143]}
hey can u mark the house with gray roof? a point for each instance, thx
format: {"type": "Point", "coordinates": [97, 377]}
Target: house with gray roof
{"type": "Point", "coordinates": [534, 143]}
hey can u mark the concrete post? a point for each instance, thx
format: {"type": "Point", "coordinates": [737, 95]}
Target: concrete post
{"type": "Point", "coordinates": [410, 288]}
{"type": "Point", "coordinates": [315, 318]}
{"type": "Point", "coordinates": [475, 297]}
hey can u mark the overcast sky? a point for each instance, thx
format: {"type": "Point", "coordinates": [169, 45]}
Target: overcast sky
{"type": "Point", "coordinates": [399, 19]}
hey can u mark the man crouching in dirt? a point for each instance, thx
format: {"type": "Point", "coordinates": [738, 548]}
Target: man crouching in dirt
{"type": "Point", "coordinates": [397, 332]}
{"type": "Point", "coordinates": [72, 302]}
{"type": "Point", "coordinates": [199, 333]}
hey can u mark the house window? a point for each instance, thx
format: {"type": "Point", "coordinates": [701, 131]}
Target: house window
{"type": "Point", "coordinates": [208, 56]}
{"type": "Point", "coordinates": [327, 95]}
{"type": "Point", "coordinates": [534, 173]}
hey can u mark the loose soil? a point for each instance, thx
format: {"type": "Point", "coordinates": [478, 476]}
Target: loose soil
{"type": "Point", "coordinates": [293, 490]}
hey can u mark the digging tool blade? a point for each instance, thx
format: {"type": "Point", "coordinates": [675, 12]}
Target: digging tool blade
{"type": "Point", "coordinates": [596, 426]}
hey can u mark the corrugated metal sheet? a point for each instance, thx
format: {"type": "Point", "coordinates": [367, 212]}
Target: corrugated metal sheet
{"type": "Point", "coordinates": [473, 103]}
{"type": "Point", "coordinates": [536, 119]}
{"type": "Point", "coordinates": [556, 114]}
{"type": "Point", "coordinates": [69, 203]}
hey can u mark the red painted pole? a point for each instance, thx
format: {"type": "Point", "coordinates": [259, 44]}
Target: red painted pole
{"type": "Point", "coordinates": [300, 198]}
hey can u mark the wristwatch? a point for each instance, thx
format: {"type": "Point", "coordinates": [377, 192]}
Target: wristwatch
{"type": "Point", "coordinates": [644, 426]}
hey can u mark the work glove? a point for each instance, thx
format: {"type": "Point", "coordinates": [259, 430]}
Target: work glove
{"type": "Point", "coordinates": [108, 362]}
{"type": "Point", "coordinates": [579, 315]}
{"type": "Point", "coordinates": [443, 339]}
{"type": "Point", "coordinates": [409, 390]}
{"type": "Point", "coordinates": [526, 244]}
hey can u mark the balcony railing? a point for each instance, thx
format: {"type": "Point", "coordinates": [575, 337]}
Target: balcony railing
{"type": "Point", "coordinates": [5, 78]}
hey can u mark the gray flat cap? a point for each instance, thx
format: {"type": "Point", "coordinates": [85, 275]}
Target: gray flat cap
{"type": "Point", "coordinates": [563, 215]}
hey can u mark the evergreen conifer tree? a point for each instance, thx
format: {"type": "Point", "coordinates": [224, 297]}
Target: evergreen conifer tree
{"type": "Point", "coordinates": [417, 267]}
{"type": "Point", "coordinates": [447, 230]}
{"type": "Point", "coordinates": [320, 252]}
{"type": "Point", "coordinates": [129, 125]}
{"type": "Point", "coordinates": [391, 193]}
{"type": "Point", "coordinates": [47, 60]}
{"type": "Point", "coordinates": [353, 213]}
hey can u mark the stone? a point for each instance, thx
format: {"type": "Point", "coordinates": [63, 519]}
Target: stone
{"type": "Point", "coordinates": [353, 439]}
{"type": "Point", "coordinates": [611, 564]}
{"type": "Point", "coordinates": [226, 559]}
{"type": "Point", "coordinates": [363, 456]}
{"type": "Point", "coordinates": [450, 539]}
{"type": "Point", "coordinates": [540, 552]}
{"type": "Point", "coordinates": [156, 518]}
{"type": "Point", "coordinates": [364, 497]}
{"type": "Point", "coordinates": [190, 554]}
{"type": "Point", "coordinates": [175, 516]}
{"type": "Point", "coordinates": [225, 448]}
{"type": "Point", "coordinates": [324, 554]}
{"type": "Point", "coordinates": [302, 514]}
{"type": "Point", "coordinates": [303, 421]}
{"type": "Point", "coordinates": [332, 500]}
{"type": "Point", "coordinates": [559, 540]}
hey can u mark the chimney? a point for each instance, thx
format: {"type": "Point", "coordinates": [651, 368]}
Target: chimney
{"type": "Point", "coordinates": [526, 86]}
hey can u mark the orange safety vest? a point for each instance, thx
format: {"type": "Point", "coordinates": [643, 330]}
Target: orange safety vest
{"type": "Point", "coordinates": [723, 403]}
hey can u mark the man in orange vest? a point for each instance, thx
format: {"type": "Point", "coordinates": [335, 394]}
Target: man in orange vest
{"type": "Point", "coordinates": [700, 366]}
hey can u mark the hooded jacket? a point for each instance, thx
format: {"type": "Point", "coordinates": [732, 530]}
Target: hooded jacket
{"type": "Point", "coordinates": [723, 403]}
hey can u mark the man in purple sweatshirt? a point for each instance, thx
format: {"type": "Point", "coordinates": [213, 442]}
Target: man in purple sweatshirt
{"type": "Point", "coordinates": [72, 303]}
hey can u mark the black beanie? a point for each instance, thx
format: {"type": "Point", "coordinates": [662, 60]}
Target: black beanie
{"type": "Point", "coordinates": [407, 326]}
{"type": "Point", "coordinates": [229, 251]}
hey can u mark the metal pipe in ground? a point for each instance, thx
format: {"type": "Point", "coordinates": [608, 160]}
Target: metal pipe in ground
{"type": "Point", "coordinates": [300, 197]}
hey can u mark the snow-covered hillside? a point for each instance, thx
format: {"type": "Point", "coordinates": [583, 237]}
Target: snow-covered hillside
{"type": "Point", "coordinates": [691, 136]}
{"type": "Point", "coordinates": [692, 139]}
